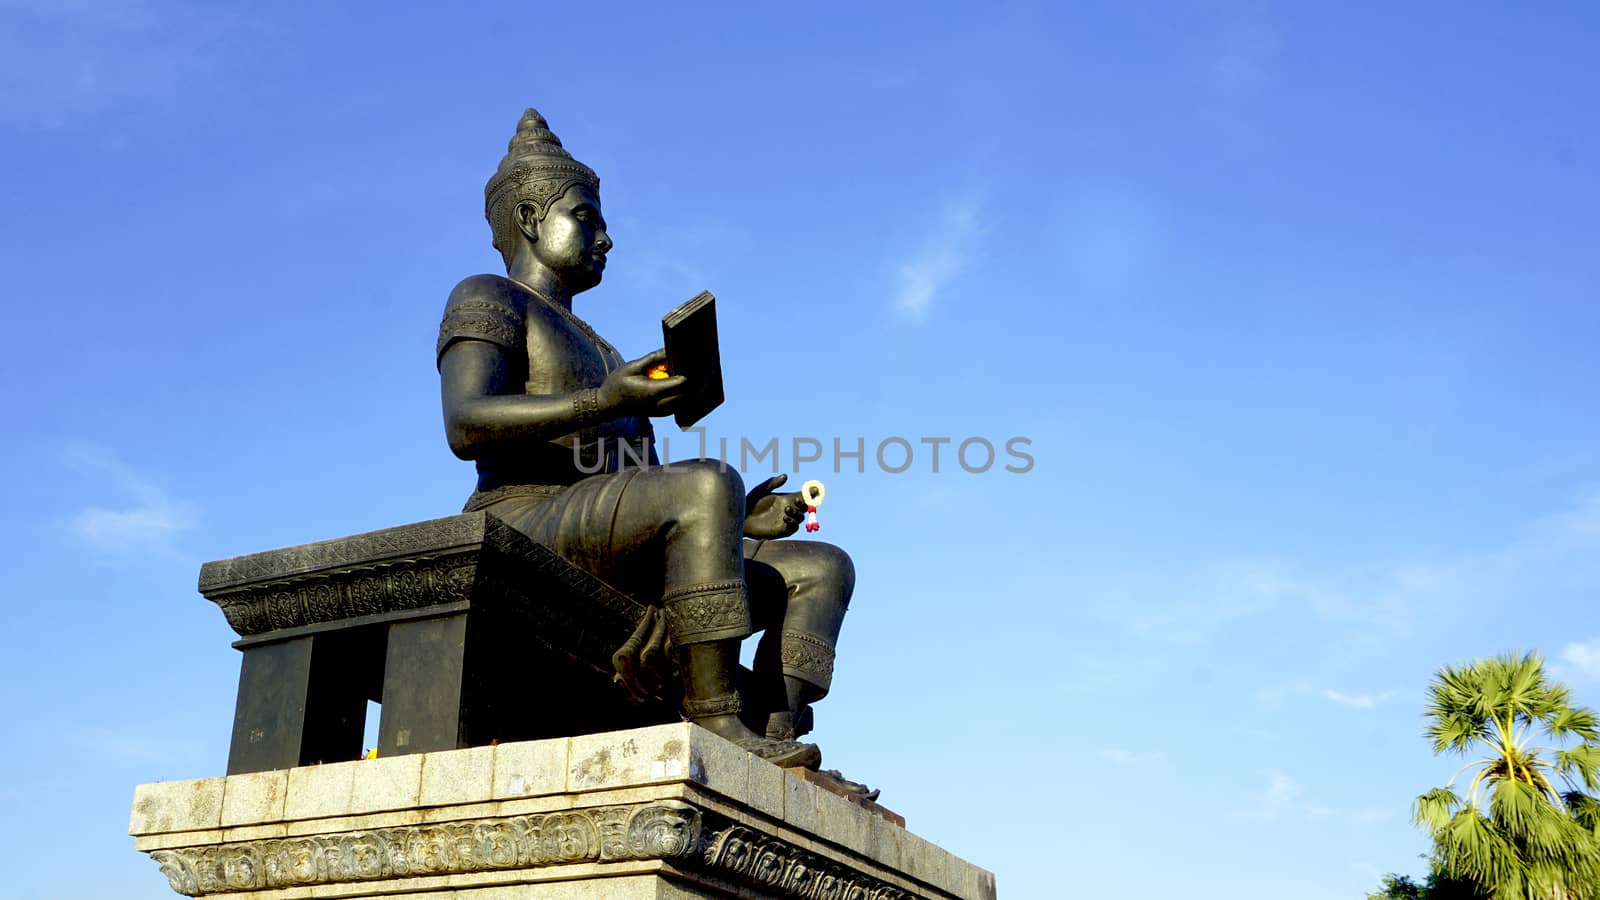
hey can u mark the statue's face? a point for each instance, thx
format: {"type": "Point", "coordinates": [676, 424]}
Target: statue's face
{"type": "Point", "coordinates": [572, 240]}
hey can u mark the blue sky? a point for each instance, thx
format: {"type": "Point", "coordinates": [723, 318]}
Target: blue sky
{"type": "Point", "coordinates": [1296, 304]}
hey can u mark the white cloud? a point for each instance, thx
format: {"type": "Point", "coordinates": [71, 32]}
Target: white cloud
{"type": "Point", "coordinates": [1571, 530]}
{"type": "Point", "coordinates": [1357, 701]}
{"type": "Point", "coordinates": [1273, 696]}
{"type": "Point", "coordinates": [1379, 605]}
{"type": "Point", "coordinates": [1221, 594]}
{"type": "Point", "coordinates": [1371, 815]}
{"type": "Point", "coordinates": [129, 745]}
{"type": "Point", "coordinates": [1236, 74]}
{"type": "Point", "coordinates": [1353, 701]}
{"type": "Point", "coordinates": [922, 277]}
{"type": "Point", "coordinates": [1130, 758]}
{"type": "Point", "coordinates": [1584, 657]}
{"type": "Point", "coordinates": [148, 521]}
{"type": "Point", "coordinates": [1281, 795]}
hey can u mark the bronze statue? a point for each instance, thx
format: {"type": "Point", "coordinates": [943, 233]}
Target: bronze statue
{"type": "Point", "coordinates": [537, 399]}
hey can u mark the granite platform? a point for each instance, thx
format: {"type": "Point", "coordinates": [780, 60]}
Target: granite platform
{"type": "Point", "coordinates": [668, 811]}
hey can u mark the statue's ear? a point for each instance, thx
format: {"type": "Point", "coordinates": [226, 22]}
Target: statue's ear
{"type": "Point", "coordinates": [526, 217]}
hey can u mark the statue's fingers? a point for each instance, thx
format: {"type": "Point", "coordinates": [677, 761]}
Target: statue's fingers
{"type": "Point", "coordinates": [645, 363]}
{"type": "Point", "coordinates": [666, 387]}
{"type": "Point", "coordinates": [771, 484]}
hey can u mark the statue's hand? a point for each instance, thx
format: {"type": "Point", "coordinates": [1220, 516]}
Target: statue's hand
{"type": "Point", "coordinates": [629, 390]}
{"type": "Point", "coordinates": [767, 515]}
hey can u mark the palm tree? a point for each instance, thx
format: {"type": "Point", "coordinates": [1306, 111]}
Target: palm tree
{"type": "Point", "coordinates": [1513, 834]}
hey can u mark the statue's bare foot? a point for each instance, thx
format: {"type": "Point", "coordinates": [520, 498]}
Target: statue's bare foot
{"type": "Point", "coordinates": [785, 754]}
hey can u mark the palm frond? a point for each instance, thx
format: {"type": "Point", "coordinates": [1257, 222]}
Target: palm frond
{"type": "Point", "coordinates": [1512, 834]}
{"type": "Point", "coordinates": [1584, 809]}
{"type": "Point", "coordinates": [1434, 810]}
{"type": "Point", "coordinates": [1470, 847]}
{"type": "Point", "coordinates": [1574, 722]}
{"type": "Point", "coordinates": [1581, 764]}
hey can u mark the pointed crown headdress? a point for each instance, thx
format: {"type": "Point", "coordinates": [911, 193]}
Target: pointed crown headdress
{"type": "Point", "coordinates": [536, 169]}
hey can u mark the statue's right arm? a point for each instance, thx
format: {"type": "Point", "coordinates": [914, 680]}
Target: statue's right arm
{"type": "Point", "coordinates": [482, 411]}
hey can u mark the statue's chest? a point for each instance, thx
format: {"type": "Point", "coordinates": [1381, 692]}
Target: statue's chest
{"type": "Point", "coordinates": [565, 356]}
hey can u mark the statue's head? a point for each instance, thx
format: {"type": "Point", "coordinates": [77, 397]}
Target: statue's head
{"type": "Point", "coordinates": [543, 202]}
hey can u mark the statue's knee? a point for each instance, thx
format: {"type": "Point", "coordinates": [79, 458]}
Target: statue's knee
{"type": "Point", "coordinates": [706, 480]}
{"type": "Point", "coordinates": [825, 573]}
{"type": "Point", "coordinates": [706, 498]}
{"type": "Point", "coordinates": [835, 569]}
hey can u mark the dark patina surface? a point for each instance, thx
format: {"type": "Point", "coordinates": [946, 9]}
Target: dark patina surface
{"type": "Point", "coordinates": [587, 587]}
{"type": "Point", "coordinates": [464, 629]}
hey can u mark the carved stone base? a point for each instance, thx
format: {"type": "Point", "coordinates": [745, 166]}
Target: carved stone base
{"type": "Point", "coordinates": [462, 628]}
{"type": "Point", "coordinates": [668, 811]}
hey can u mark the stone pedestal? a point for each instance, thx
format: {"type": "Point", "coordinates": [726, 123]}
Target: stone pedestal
{"type": "Point", "coordinates": [454, 625]}
{"type": "Point", "coordinates": [668, 811]}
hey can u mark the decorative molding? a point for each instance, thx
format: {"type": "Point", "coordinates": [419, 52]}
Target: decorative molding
{"type": "Point", "coordinates": [415, 540]}
{"type": "Point", "coordinates": [393, 585]}
{"type": "Point", "coordinates": [471, 557]}
{"type": "Point", "coordinates": [664, 829]}
{"type": "Point", "coordinates": [746, 855]}
{"type": "Point", "coordinates": [668, 830]}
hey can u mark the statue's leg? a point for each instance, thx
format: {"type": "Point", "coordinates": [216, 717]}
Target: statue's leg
{"type": "Point", "coordinates": [800, 591]}
{"type": "Point", "coordinates": [692, 515]}
{"type": "Point", "coordinates": [674, 534]}
{"type": "Point", "coordinates": [682, 524]}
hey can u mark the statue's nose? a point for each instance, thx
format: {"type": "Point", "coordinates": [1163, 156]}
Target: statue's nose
{"type": "Point", "coordinates": [602, 242]}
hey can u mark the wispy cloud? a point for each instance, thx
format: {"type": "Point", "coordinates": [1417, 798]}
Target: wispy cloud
{"type": "Point", "coordinates": [1236, 73]}
{"type": "Point", "coordinates": [67, 59]}
{"type": "Point", "coordinates": [1238, 68]}
{"type": "Point", "coordinates": [1132, 758]}
{"type": "Point", "coordinates": [1583, 657]}
{"type": "Point", "coordinates": [673, 255]}
{"type": "Point", "coordinates": [1285, 797]}
{"type": "Point", "coordinates": [148, 520]}
{"type": "Point", "coordinates": [1376, 606]}
{"type": "Point", "coordinates": [1212, 599]}
{"type": "Point", "coordinates": [923, 276]}
{"type": "Point", "coordinates": [133, 745]}
{"type": "Point", "coordinates": [1364, 700]}
{"type": "Point", "coordinates": [1281, 795]}
{"type": "Point", "coordinates": [1371, 815]}
{"type": "Point", "coordinates": [1357, 701]}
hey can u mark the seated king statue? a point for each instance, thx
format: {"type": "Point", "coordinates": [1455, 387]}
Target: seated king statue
{"type": "Point", "coordinates": [558, 424]}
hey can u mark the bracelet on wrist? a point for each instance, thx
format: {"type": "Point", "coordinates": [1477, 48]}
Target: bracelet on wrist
{"type": "Point", "coordinates": [586, 406]}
